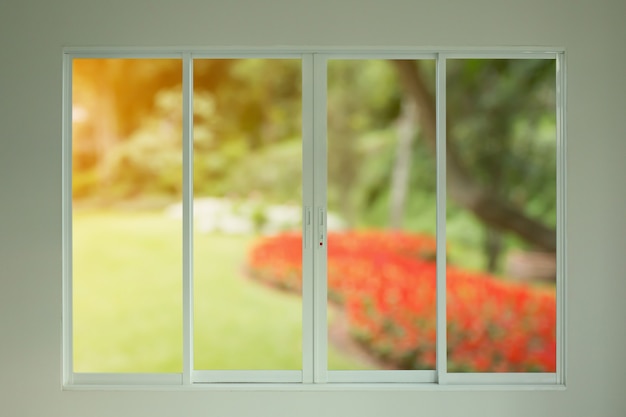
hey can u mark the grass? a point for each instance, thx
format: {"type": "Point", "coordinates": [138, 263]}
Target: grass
{"type": "Point", "coordinates": [127, 301]}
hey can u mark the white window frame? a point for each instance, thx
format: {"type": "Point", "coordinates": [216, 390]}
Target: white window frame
{"type": "Point", "coordinates": [314, 374]}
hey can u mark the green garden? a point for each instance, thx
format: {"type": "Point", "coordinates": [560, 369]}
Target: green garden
{"type": "Point", "coordinates": [127, 225]}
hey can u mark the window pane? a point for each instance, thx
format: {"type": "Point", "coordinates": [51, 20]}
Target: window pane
{"type": "Point", "coordinates": [126, 172]}
{"type": "Point", "coordinates": [381, 214]}
{"type": "Point", "coordinates": [247, 214]}
{"type": "Point", "coordinates": [501, 215]}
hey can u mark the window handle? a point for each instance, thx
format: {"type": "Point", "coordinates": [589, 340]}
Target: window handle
{"type": "Point", "coordinates": [322, 222]}
{"type": "Point", "coordinates": [307, 227]}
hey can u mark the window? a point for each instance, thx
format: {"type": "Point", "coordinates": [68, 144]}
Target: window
{"type": "Point", "coordinates": [314, 218]}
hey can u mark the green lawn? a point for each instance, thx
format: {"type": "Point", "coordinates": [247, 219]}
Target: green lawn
{"type": "Point", "coordinates": [127, 299]}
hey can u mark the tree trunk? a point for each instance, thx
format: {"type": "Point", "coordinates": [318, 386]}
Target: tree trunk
{"type": "Point", "coordinates": [493, 248]}
{"type": "Point", "coordinates": [406, 128]}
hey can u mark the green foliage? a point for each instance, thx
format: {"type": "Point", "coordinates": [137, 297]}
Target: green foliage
{"type": "Point", "coordinates": [502, 121]}
{"type": "Point", "coordinates": [362, 97]}
{"type": "Point", "coordinates": [247, 135]}
{"type": "Point", "coordinates": [273, 173]}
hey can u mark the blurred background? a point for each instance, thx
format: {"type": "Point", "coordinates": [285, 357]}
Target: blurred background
{"type": "Point", "coordinates": [501, 214]}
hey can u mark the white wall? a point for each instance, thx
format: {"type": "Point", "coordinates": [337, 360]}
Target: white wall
{"type": "Point", "coordinates": [32, 34]}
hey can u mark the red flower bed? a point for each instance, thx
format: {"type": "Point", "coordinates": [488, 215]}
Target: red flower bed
{"type": "Point", "coordinates": [386, 283]}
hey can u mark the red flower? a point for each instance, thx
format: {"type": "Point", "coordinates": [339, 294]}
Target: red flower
{"type": "Point", "coordinates": [386, 282]}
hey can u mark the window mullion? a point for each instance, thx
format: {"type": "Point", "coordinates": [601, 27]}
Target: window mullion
{"type": "Point", "coordinates": [308, 310]}
{"type": "Point", "coordinates": [320, 333]}
{"type": "Point", "coordinates": [68, 351]}
{"type": "Point", "coordinates": [442, 359]}
{"type": "Point", "coordinates": [561, 186]}
{"type": "Point", "coordinates": [187, 218]}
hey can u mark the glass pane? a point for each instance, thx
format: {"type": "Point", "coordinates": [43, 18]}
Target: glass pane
{"type": "Point", "coordinates": [126, 174]}
{"type": "Point", "coordinates": [501, 217]}
{"type": "Point", "coordinates": [381, 214]}
{"type": "Point", "coordinates": [247, 214]}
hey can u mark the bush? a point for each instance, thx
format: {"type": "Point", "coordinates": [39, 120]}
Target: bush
{"type": "Point", "coordinates": [386, 283]}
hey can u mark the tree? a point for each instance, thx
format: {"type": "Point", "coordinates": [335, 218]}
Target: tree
{"type": "Point", "coordinates": [115, 96]}
{"type": "Point", "coordinates": [128, 143]}
{"type": "Point", "coordinates": [487, 203]}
